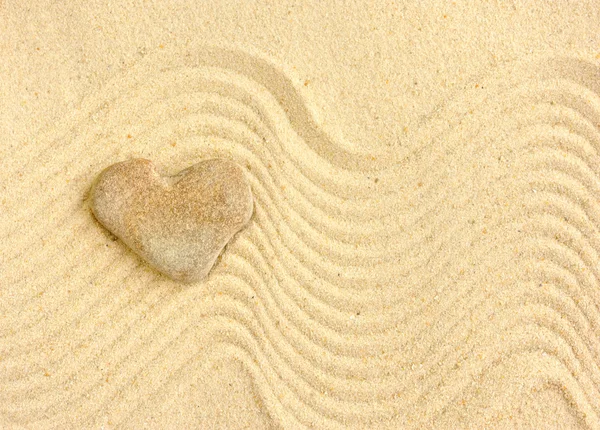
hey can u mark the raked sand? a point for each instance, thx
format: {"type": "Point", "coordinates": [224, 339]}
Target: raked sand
{"type": "Point", "coordinates": [425, 244]}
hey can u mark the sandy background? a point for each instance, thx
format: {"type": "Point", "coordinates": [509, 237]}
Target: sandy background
{"type": "Point", "coordinates": [424, 250]}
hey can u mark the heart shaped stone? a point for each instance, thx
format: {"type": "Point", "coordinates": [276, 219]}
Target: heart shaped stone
{"type": "Point", "coordinates": [178, 224]}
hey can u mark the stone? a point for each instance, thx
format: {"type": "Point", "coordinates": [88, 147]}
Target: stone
{"type": "Point", "coordinates": [178, 224]}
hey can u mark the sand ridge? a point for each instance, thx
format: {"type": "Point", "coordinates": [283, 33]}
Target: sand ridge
{"type": "Point", "coordinates": [436, 286]}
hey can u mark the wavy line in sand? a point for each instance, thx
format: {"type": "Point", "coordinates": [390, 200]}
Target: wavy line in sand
{"type": "Point", "coordinates": [292, 260]}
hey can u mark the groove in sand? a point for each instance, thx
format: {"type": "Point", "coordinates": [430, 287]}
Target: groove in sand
{"type": "Point", "coordinates": [344, 299]}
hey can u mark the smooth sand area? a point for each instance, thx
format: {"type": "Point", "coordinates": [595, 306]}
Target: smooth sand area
{"type": "Point", "coordinates": [425, 243]}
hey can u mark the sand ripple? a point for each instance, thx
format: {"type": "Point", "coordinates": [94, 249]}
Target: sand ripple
{"type": "Point", "coordinates": [446, 281]}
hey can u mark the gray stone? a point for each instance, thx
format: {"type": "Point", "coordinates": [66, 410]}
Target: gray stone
{"type": "Point", "coordinates": [178, 224]}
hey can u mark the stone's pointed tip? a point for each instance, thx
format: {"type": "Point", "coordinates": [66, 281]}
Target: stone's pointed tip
{"type": "Point", "coordinates": [180, 226]}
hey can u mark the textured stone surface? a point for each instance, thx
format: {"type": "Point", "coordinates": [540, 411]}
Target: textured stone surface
{"type": "Point", "coordinates": [178, 224]}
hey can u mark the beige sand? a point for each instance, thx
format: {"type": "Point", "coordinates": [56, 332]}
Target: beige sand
{"type": "Point", "coordinates": [425, 244]}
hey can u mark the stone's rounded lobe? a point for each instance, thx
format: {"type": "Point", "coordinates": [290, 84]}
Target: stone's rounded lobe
{"type": "Point", "coordinates": [178, 224]}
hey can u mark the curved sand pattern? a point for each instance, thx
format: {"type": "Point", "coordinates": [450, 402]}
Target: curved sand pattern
{"type": "Point", "coordinates": [452, 282]}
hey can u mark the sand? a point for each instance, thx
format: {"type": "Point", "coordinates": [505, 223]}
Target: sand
{"type": "Point", "coordinates": [424, 247]}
